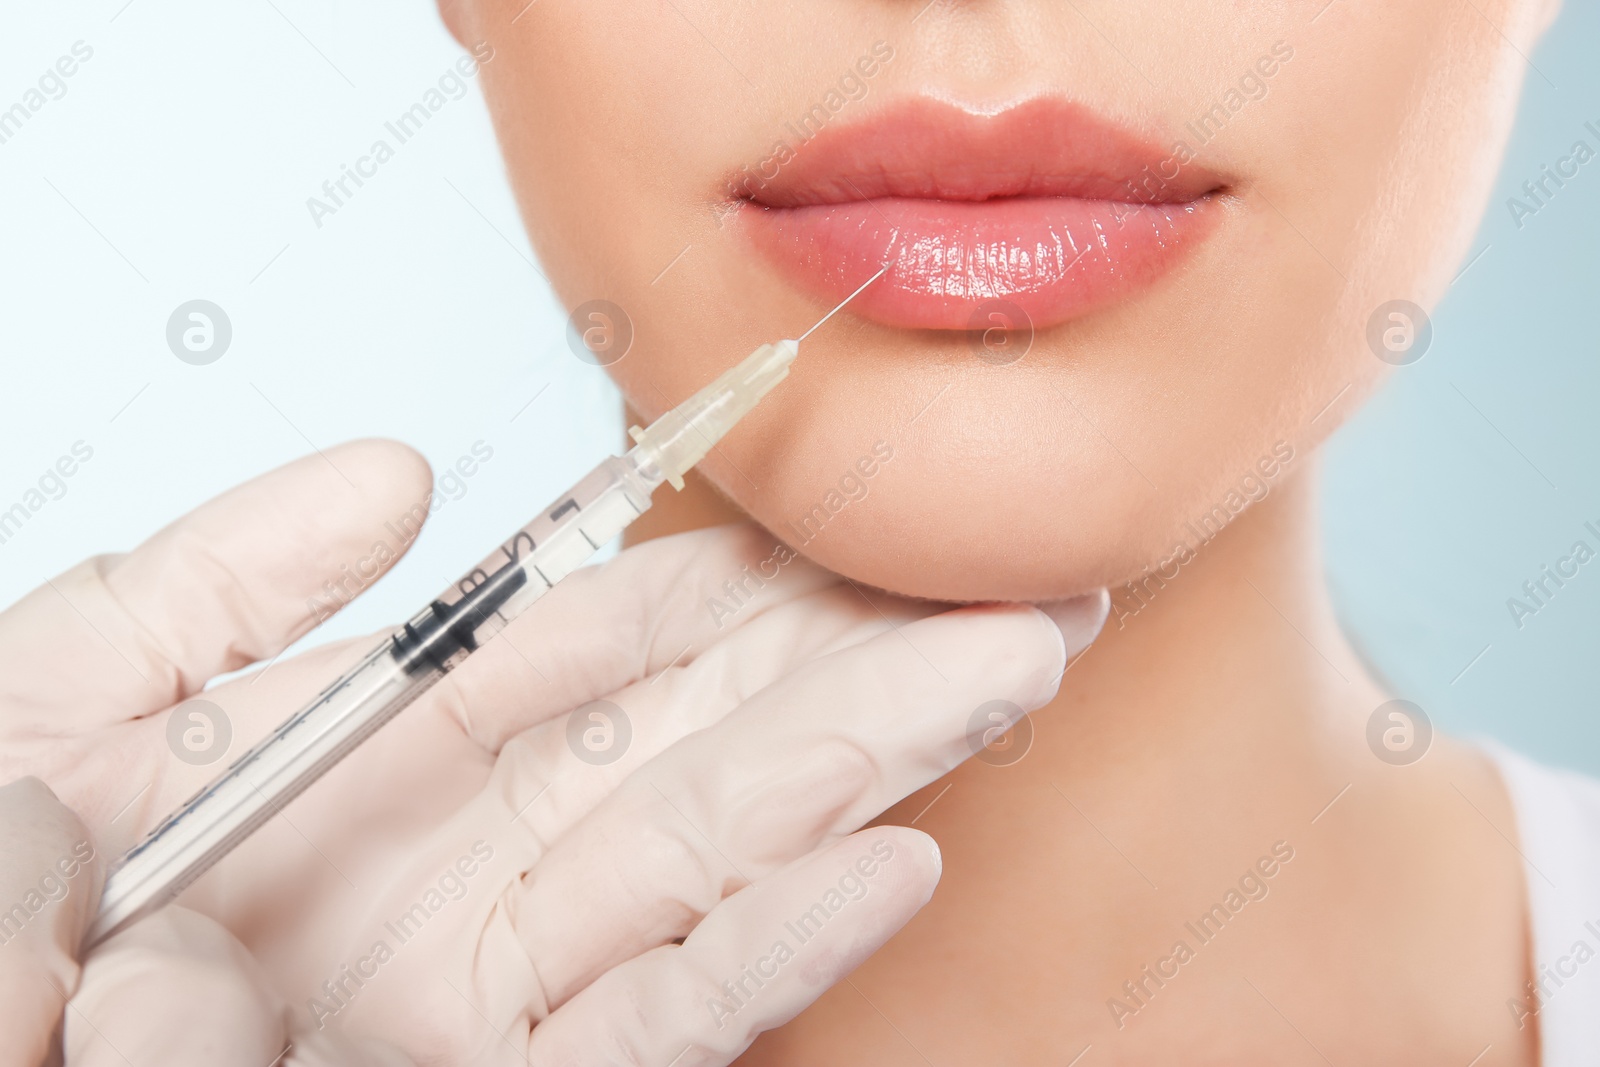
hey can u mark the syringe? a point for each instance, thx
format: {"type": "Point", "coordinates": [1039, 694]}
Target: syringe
{"type": "Point", "coordinates": [438, 639]}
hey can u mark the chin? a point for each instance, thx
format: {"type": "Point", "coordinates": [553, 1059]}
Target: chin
{"type": "Point", "coordinates": [928, 536]}
{"type": "Point", "coordinates": [972, 501]}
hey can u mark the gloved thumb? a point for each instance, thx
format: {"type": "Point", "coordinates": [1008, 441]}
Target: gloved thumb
{"type": "Point", "coordinates": [50, 879]}
{"type": "Point", "coordinates": [179, 990]}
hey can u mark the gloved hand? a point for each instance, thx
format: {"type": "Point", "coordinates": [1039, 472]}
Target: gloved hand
{"type": "Point", "coordinates": [50, 878]}
{"type": "Point", "coordinates": [502, 873]}
{"type": "Point", "coordinates": [179, 971]}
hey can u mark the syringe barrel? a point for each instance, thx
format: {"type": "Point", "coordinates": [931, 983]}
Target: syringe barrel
{"type": "Point", "coordinates": [256, 786]}
{"type": "Point", "coordinates": [558, 541]}
{"type": "Point", "coordinates": [435, 641]}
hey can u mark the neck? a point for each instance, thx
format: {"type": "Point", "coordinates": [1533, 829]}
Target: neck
{"type": "Point", "coordinates": [1236, 661]}
{"type": "Point", "coordinates": [1219, 724]}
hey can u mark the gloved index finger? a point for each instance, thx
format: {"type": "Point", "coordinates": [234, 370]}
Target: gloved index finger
{"type": "Point", "coordinates": [50, 880]}
{"type": "Point", "coordinates": [235, 581]}
{"type": "Point", "coordinates": [755, 962]}
{"type": "Point", "coordinates": [656, 605]}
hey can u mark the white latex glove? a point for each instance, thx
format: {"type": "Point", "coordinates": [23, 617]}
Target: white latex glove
{"type": "Point", "coordinates": [181, 973]}
{"type": "Point", "coordinates": [50, 877]}
{"type": "Point", "coordinates": [476, 885]}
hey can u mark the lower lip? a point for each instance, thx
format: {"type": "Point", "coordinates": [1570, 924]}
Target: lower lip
{"type": "Point", "coordinates": [953, 265]}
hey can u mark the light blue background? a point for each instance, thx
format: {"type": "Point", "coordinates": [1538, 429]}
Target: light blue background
{"type": "Point", "coordinates": [177, 166]}
{"type": "Point", "coordinates": [1437, 505]}
{"type": "Point", "coordinates": [187, 148]}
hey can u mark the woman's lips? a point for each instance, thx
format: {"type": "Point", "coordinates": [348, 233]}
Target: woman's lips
{"type": "Point", "coordinates": [950, 261]}
{"type": "Point", "coordinates": [1042, 207]}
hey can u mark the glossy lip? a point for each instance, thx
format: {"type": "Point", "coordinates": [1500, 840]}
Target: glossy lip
{"type": "Point", "coordinates": [1039, 213]}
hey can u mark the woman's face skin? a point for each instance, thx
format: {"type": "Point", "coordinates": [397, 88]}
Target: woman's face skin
{"type": "Point", "coordinates": [1213, 322]}
{"type": "Point", "coordinates": [1187, 338]}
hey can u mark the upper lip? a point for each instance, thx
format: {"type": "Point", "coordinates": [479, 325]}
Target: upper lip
{"type": "Point", "coordinates": [928, 149]}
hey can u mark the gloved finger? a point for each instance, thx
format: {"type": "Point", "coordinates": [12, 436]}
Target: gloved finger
{"type": "Point", "coordinates": [174, 989]}
{"type": "Point", "coordinates": [50, 879]}
{"type": "Point", "coordinates": [177, 989]}
{"type": "Point", "coordinates": [485, 846]}
{"type": "Point", "coordinates": [755, 962]}
{"type": "Point", "coordinates": [624, 620]}
{"type": "Point", "coordinates": [596, 632]}
{"type": "Point", "coordinates": [157, 770]}
{"type": "Point", "coordinates": [808, 759]}
{"type": "Point", "coordinates": [658, 604]}
{"type": "Point", "coordinates": [496, 821]}
{"type": "Point", "coordinates": [234, 581]}
{"type": "Point", "coordinates": [569, 767]}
